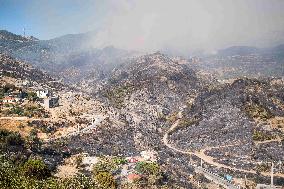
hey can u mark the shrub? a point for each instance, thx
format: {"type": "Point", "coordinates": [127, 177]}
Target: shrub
{"type": "Point", "coordinates": [3, 134]}
{"type": "Point", "coordinates": [32, 96]}
{"type": "Point", "coordinates": [34, 110]}
{"type": "Point", "coordinates": [16, 110]}
{"type": "Point", "coordinates": [186, 122]}
{"type": "Point", "coordinates": [33, 142]}
{"type": "Point", "coordinates": [173, 117]}
{"type": "Point", "coordinates": [105, 180]}
{"type": "Point", "coordinates": [10, 138]}
{"type": "Point", "coordinates": [258, 111]}
{"type": "Point", "coordinates": [35, 168]}
{"type": "Point", "coordinates": [79, 160]}
{"type": "Point", "coordinates": [34, 174]}
{"type": "Point", "coordinates": [261, 136]}
{"type": "Point", "coordinates": [264, 167]}
{"type": "Point", "coordinates": [11, 178]}
{"type": "Point", "coordinates": [119, 161]}
{"type": "Point", "coordinates": [146, 168]}
{"type": "Point", "coordinates": [14, 139]}
{"type": "Point", "coordinates": [105, 165]}
{"type": "Point", "coordinates": [8, 87]}
{"type": "Point", "coordinates": [80, 181]}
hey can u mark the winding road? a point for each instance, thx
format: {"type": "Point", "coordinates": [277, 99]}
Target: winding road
{"type": "Point", "coordinates": [212, 176]}
{"type": "Point", "coordinates": [209, 160]}
{"type": "Point", "coordinates": [200, 154]}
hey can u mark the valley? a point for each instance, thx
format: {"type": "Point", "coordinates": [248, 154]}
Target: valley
{"type": "Point", "coordinates": [111, 118]}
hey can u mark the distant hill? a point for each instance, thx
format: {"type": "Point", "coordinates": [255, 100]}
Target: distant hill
{"type": "Point", "coordinates": [63, 44]}
{"type": "Point", "coordinates": [248, 50]}
{"type": "Point", "coordinates": [278, 52]}
{"type": "Point", "coordinates": [5, 35]}
{"type": "Point", "coordinates": [41, 53]}
{"type": "Point", "coordinates": [243, 61]}
{"type": "Point", "coordinates": [10, 67]}
{"type": "Point", "coordinates": [238, 50]}
{"type": "Point", "coordinates": [72, 58]}
{"type": "Point", "coordinates": [60, 55]}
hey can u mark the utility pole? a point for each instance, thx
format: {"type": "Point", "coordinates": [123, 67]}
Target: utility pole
{"type": "Point", "coordinates": [24, 31]}
{"type": "Point", "coordinates": [272, 165]}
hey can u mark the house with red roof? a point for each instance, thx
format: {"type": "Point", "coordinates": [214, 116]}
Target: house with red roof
{"type": "Point", "coordinates": [10, 100]}
{"type": "Point", "coordinates": [132, 177]}
{"type": "Point", "coordinates": [132, 160]}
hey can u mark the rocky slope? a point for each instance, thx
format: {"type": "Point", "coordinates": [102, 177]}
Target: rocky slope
{"type": "Point", "coordinates": [139, 97]}
{"type": "Point", "coordinates": [151, 85]}
{"type": "Point", "coordinates": [232, 120]}
{"type": "Point", "coordinates": [20, 71]}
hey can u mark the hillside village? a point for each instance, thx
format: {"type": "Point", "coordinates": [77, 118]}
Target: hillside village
{"type": "Point", "coordinates": [23, 87]}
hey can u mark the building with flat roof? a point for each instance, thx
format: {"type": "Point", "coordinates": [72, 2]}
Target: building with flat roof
{"type": "Point", "coordinates": [43, 93]}
{"type": "Point", "coordinates": [51, 102]}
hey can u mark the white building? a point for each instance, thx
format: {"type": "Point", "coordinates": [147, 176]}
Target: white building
{"type": "Point", "coordinates": [43, 93]}
{"type": "Point", "coordinates": [11, 100]}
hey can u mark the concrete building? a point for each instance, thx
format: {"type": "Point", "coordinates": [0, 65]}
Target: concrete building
{"type": "Point", "coordinates": [51, 102]}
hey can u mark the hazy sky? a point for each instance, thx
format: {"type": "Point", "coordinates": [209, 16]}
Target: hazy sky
{"type": "Point", "coordinates": [180, 25]}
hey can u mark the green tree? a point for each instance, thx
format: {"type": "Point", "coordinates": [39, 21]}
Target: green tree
{"type": "Point", "coordinates": [32, 96]}
{"type": "Point", "coordinates": [80, 181]}
{"type": "Point", "coordinates": [148, 168]}
{"type": "Point", "coordinates": [33, 142]}
{"type": "Point", "coordinates": [105, 180]}
{"type": "Point", "coordinates": [11, 138]}
{"type": "Point", "coordinates": [105, 165]}
{"type": "Point", "coordinates": [36, 168]}
{"type": "Point", "coordinates": [8, 87]}
{"type": "Point", "coordinates": [14, 139]}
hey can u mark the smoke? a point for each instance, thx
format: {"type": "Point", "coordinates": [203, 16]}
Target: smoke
{"type": "Point", "coordinates": [177, 25]}
{"type": "Point", "coordinates": [186, 25]}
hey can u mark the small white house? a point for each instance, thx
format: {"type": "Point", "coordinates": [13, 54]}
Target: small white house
{"type": "Point", "coordinates": [43, 93]}
{"type": "Point", "coordinates": [10, 100]}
